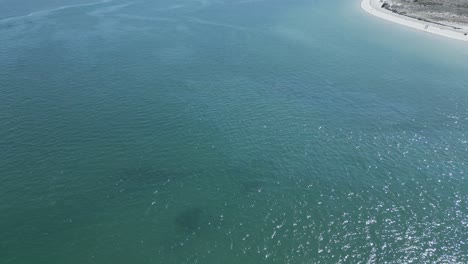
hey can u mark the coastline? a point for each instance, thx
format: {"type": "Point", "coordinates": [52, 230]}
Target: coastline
{"type": "Point", "coordinates": [374, 8]}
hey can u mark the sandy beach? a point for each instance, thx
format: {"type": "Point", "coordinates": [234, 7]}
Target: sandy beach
{"type": "Point", "coordinates": [374, 7]}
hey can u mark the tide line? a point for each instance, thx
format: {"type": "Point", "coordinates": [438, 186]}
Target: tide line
{"type": "Point", "coordinates": [48, 11]}
{"type": "Point", "coordinates": [374, 7]}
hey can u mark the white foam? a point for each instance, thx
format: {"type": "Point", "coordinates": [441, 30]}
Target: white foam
{"type": "Point", "coordinates": [48, 11]}
{"type": "Point", "coordinates": [373, 7]}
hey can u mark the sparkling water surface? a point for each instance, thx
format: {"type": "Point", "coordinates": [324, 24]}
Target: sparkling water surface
{"type": "Point", "coordinates": [228, 131]}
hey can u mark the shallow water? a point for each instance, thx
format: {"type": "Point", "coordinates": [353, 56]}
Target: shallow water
{"type": "Point", "coordinates": [234, 131]}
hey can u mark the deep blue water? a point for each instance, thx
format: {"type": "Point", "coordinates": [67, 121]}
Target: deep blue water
{"type": "Point", "coordinates": [214, 131]}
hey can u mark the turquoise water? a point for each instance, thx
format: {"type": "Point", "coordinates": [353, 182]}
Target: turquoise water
{"type": "Point", "coordinates": [216, 131]}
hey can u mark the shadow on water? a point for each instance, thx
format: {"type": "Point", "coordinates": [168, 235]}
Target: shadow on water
{"type": "Point", "coordinates": [146, 175]}
{"type": "Point", "coordinates": [190, 226]}
{"type": "Point", "coordinates": [253, 177]}
{"type": "Point", "coordinates": [142, 178]}
{"type": "Point", "coordinates": [251, 186]}
{"type": "Point", "coordinates": [190, 219]}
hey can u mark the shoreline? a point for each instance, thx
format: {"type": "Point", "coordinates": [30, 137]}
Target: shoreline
{"type": "Point", "coordinates": [374, 8]}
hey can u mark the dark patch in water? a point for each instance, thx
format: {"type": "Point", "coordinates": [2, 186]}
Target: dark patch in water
{"type": "Point", "coordinates": [189, 219]}
{"type": "Point", "coordinates": [251, 186]}
{"type": "Point", "coordinates": [133, 180]}
{"type": "Point", "coordinates": [252, 176]}
{"type": "Point", "coordinates": [143, 176]}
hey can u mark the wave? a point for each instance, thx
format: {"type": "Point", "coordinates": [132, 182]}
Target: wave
{"type": "Point", "coordinates": [216, 24]}
{"type": "Point", "coordinates": [48, 11]}
{"type": "Point", "coordinates": [109, 9]}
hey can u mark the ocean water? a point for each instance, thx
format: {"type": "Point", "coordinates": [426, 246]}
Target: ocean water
{"type": "Point", "coordinates": [228, 131]}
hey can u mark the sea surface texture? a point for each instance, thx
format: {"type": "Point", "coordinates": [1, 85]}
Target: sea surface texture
{"type": "Point", "coordinates": [228, 131]}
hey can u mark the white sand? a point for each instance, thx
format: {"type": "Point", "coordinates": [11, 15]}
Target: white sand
{"type": "Point", "coordinates": [374, 7]}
